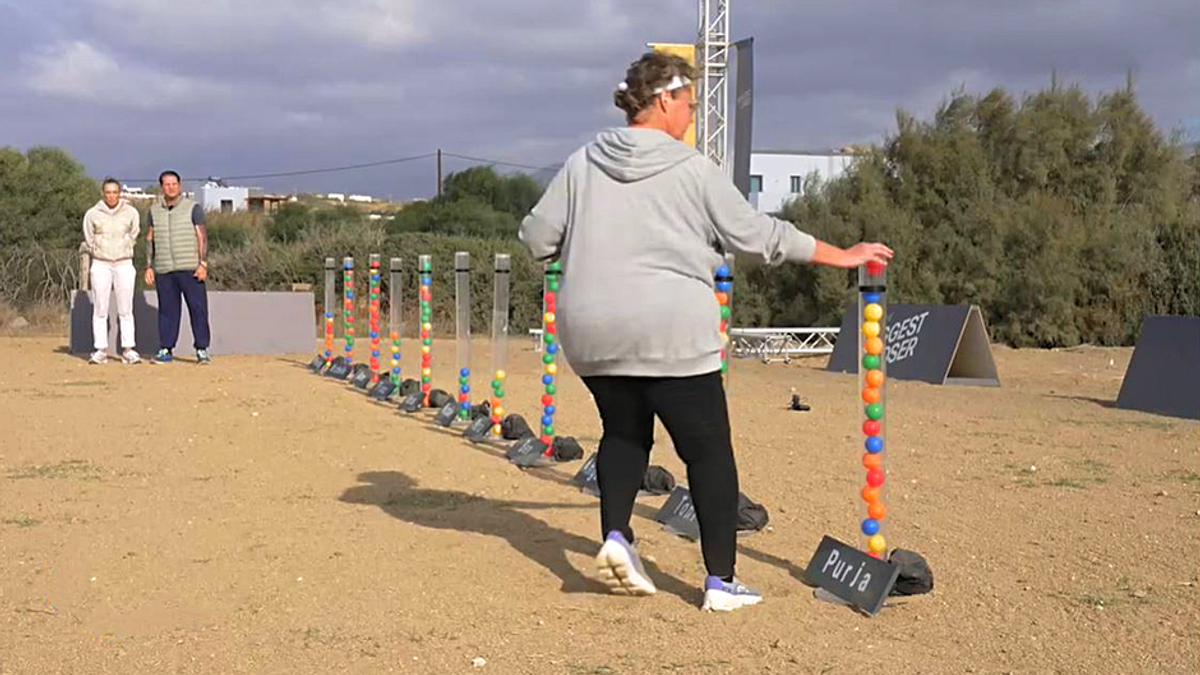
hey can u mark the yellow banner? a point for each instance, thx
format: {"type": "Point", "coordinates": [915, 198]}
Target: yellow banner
{"type": "Point", "coordinates": [688, 52]}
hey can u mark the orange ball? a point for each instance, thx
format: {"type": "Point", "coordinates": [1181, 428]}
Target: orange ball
{"type": "Point", "coordinates": [870, 395]}
{"type": "Point", "coordinates": [873, 346]}
{"type": "Point", "coordinates": [870, 495]}
{"type": "Point", "coordinates": [877, 511]}
{"type": "Point", "coordinates": [874, 378]}
{"type": "Point", "coordinates": [872, 460]}
{"type": "Point", "coordinates": [722, 298]}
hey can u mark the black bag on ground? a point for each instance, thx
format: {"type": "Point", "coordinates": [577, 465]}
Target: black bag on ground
{"type": "Point", "coordinates": [657, 480]}
{"type": "Point", "coordinates": [439, 398]}
{"type": "Point", "coordinates": [409, 386]}
{"type": "Point", "coordinates": [514, 428]}
{"type": "Point", "coordinates": [752, 517]}
{"type": "Point", "coordinates": [565, 449]}
{"type": "Point", "coordinates": [481, 410]}
{"type": "Point", "coordinates": [915, 575]}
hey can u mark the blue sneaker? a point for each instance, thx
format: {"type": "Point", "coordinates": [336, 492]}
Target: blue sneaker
{"type": "Point", "coordinates": [726, 596]}
{"type": "Point", "coordinates": [163, 356]}
{"type": "Point", "coordinates": [621, 569]}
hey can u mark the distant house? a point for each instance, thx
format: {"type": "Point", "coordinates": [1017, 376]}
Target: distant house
{"type": "Point", "coordinates": [258, 202]}
{"type": "Point", "coordinates": [336, 197]}
{"type": "Point", "coordinates": [215, 196]}
{"type": "Point", "coordinates": [777, 176]}
{"type": "Point", "coordinates": [365, 199]}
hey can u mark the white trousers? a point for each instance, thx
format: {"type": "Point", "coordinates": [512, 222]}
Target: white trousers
{"type": "Point", "coordinates": [105, 277]}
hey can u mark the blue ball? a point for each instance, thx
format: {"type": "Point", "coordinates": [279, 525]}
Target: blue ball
{"type": "Point", "coordinates": [549, 410]}
{"type": "Point", "coordinates": [375, 352]}
{"type": "Point", "coordinates": [465, 372]}
{"type": "Point", "coordinates": [724, 286]}
{"type": "Point", "coordinates": [373, 334]}
{"type": "Point", "coordinates": [872, 297]}
{"type": "Point", "coordinates": [870, 527]}
{"type": "Point", "coordinates": [465, 405]}
{"type": "Point", "coordinates": [723, 271]}
{"type": "Point", "coordinates": [547, 420]}
{"type": "Point", "coordinates": [427, 280]}
{"type": "Point", "coordinates": [874, 444]}
{"type": "Point", "coordinates": [328, 315]}
{"type": "Point", "coordinates": [350, 295]}
{"type": "Point", "coordinates": [464, 389]}
{"type": "Point", "coordinates": [552, 348]}
{"type": "Point", "coordinates": [547, 379]}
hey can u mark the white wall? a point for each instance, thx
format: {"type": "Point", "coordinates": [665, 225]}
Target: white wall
{"type": "Point", "coordinates": [777, 170]}
{"type": "Point", "coordinates": [209, 197]}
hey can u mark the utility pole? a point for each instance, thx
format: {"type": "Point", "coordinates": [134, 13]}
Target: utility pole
{"type": "Point", "coordinates": [439, 171]}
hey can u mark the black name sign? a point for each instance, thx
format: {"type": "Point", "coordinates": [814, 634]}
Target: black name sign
{"type": "Point", "coordinates": [478, 429]}
{"type": "Point", "coordinates": [529, 451]}
{"type": "Point", "coordinates": [317, 363]}
{"type": "Point", "coordinates": [340, 370]}
{"type": "Point", "coordinates": [412, 402]}
{"type": "Point", "coordinates": [586, 478]}
{"type": "Point", "coordinates": [362, 376]}
{"type": "Point", "coordinates": [446, 414]}
{"type": "Point", "coordinates": [852, 575]}
{"type": "Point", "coordinates": [678, 515]}
{"type": "Point", "coordinates": [382, 390]}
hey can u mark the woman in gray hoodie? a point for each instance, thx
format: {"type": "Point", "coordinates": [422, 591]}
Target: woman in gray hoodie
{"type": "Point", "coordinates": [640, 221]}
{"type": "Point", "coordinates": [110, 229]}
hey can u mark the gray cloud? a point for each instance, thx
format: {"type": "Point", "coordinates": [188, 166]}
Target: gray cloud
{"type": "Point", "coordinates": [227, 87]}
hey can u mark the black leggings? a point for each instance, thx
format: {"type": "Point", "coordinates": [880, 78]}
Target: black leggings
{"type": "Point", "coordinates": [694, 412]}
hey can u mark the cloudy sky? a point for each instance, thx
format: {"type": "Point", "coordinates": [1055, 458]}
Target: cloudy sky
{"type": "Point", "coordinates": [236, 87]}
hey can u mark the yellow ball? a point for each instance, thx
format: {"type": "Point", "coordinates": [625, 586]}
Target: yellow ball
{"type": "Point", "coordinates": [873, 312]}
{"type": "Point", "coordinates": [551, 368]}
{"type": "Point", "coordinates": [871, 328]}
{"type": "Point", "coordinates": [426, 371]}
{"type": "Point", "coordinates": [496, 429]}
{"type": "Point", "coordinates": [498, 411]}
{"type": "Point", "coordinates": [500, 374]}
{"type": "Point", "coordinates": [877, 544]}
{"type": "Point", "coordinates": [427, 326]}
{"type": "Point", "coordinates": [424, 349]}
{"type": "Point", "coordinates": [549, 317]}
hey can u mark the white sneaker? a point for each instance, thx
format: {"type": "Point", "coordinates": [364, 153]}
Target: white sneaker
{"type": "Point", "coordinates": [621, 569]}
{"type": "Point", "coordinates": [726, 596]}
{"type": "Point", "coordinates": [98, 357]}
{"type": "Point", "coordinates": [131, 356]}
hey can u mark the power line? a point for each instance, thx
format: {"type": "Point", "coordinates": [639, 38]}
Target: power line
{"type": "Point", "coordinates": [502, 163]}
{"type": "Point", "coordinates": [301, 172]}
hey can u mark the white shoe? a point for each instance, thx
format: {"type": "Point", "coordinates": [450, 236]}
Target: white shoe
{"type": "Point", "coordinates": [131, 356]}
{"type": "Point", "coordinates": [620, 568]}
{"type": "Point", "coordinates": [726, 596]}
{"type": "Point", "coordinates": [98, 357]}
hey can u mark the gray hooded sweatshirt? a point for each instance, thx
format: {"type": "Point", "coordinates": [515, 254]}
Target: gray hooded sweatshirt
{"type": "Point", "coordinates": [639, 221]}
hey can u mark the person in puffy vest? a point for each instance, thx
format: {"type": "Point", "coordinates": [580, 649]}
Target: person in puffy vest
{"type": "Point", "coordinates": [177, 255]}
{"type": "Point", "coordinates": [110, 229]}
{"type": "Point", "coordinates": [640, 221]}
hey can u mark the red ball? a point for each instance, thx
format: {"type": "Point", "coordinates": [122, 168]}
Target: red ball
{"type": "Point", "coordinates": [552, 329]}
{"type": "Point", "coordinates": [547, 440]}
{"type": "Point", "coordinates": [723, 327]}
{"type": "Point", "coordinates": [424, 334]}
{"type": "Point", "coordinates": [550, 296]}
{"type": "Point", "coordinates": [874, 267]}
{"type": "Point", "coordinates": [875, 478]}
{"type": "Point", "coordinates": [463, 398]}
{"type": "Point", "coordinates": [873, 554]}
{"type": "Point", "coordinates": [547, 399]}
{"type": "Point", "coordinates": [871, 427]}
{"type": "Point", "coordinates": [425, 387]}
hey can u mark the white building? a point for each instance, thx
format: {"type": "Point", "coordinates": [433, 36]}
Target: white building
{"type": "Point", "coordinates": [777, 176]}
{"type": "Point", "coordinates": [364, 199]}
{"type": "Point", "coordinates": [213, 196]}
{"type": "Point", "coordinates": [336, 197]}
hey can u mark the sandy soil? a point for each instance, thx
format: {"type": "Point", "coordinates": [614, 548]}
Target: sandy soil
{"type": "Point", "coordinates": [252, 518]}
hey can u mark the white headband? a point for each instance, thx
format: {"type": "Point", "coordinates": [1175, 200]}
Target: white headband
{"type": "Point", "coordinates": [677, 82]}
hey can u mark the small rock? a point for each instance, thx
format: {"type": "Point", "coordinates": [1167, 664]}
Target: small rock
{"type": "Point", "coordinates": [18, 323]}
{"type": "Point", "coordinates": [1139, 594]}
{"type": "Point", "coordinates": [479, 662]}
{"type": "Point", "coordinates": [1161, 493]}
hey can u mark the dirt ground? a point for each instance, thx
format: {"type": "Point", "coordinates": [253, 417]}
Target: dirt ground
{"type": "Point", "coordinates": [250, 517]}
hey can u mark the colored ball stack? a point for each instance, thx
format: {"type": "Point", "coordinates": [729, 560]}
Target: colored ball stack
{"type": "Point", "coordinates": [724, 286]}
{"type": "Point", "coordinates": [464, 394]}
{"type": "Point", "coordinates": [426, 305]}
{"type": "Point", "coordinates": [497, 401]}
{"type": "Point", "coordinates": [329, 316]}
{"type": "Point", "coordinates": [873, 349]}
{"type": "Point", "coordinates": [550, 355]}
{"type": "Point", "coordinates": [348, 285]}
{"type": "Point", "coordinates": [395, 357]}
{"type": "Point", "coordinates": [374, 319]}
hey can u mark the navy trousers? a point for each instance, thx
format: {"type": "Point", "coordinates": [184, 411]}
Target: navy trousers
{"type": "Point", "coordinates": [170, 287]}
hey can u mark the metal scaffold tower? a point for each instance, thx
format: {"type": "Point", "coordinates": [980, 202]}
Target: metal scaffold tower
{"type": "Point", "coordinates": [713, 45]}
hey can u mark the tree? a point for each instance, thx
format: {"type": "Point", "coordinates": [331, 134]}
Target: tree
{"type": "Point", "coordinates": [46, 193]}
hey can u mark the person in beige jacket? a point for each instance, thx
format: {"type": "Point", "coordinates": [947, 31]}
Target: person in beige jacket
{"type": "Point", "coordinates": [110, 229]}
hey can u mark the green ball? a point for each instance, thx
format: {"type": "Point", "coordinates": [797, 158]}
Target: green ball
{"type": "Point", "coordinates": [551, 389]}
{"type": "Point", "coordinates": [426, 378]}
{"type": "Point", "coordinates": [496, 384]}
{"type": "Point", "coordinates": [871, 361]}
{"type": "Point", "coordinates": [725, 311]}
{"type": "Point", "coordinates": [548, 358]}
{"type": "Point", "coordinates": [548, 429]}
{"type": "Point", "coordinates": [724, 366]}
{"type": "Point", "coordinates": [874, 411]}
{"type": "Point", "coordinates": [548, 338]}
{"type": "Point", "coordinates": [463, 414]}
{"type": "Point", "coordinates": [553, 286]}
{"type": "Point", "coordinates": [427, 341]}
{"type": "Point", "coordinates": [556, 266]}
{"type": "Point", "coordinates": [464, 380]}
{"type": "Point", "coordinates": [498, 392]}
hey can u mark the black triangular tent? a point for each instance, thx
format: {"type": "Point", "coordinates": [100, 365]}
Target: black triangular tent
{"type": "Point", "coordinates": [1164, 374]}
